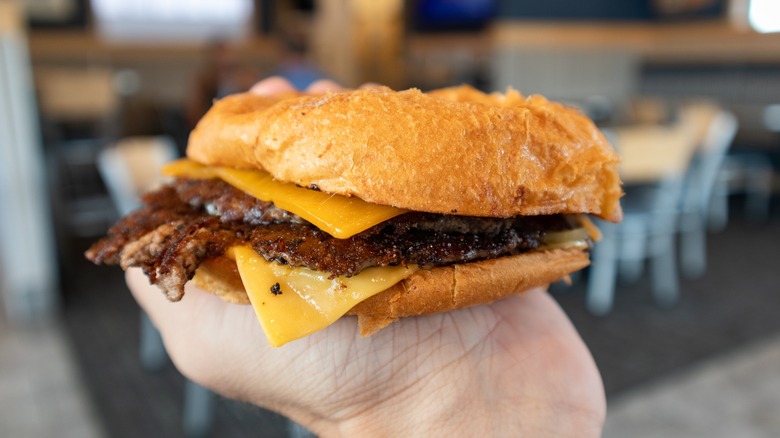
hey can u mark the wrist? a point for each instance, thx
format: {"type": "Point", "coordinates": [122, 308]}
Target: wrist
{"type": "Point", "coordinates": [423, 412]}
{"type": "Point", "coordinates": [528, 419]}
{"type": "Point", "coordinates": [471, 409]}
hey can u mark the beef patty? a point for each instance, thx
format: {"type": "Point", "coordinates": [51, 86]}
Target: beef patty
{"type": "Point", "coordinates": [188, 221]}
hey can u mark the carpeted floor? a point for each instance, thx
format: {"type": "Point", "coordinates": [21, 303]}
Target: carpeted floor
{"type": "Point", "coordinates": [734, 304]}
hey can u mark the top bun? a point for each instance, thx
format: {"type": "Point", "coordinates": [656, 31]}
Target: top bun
{"type": "Point", "coordinates": [450, 151]}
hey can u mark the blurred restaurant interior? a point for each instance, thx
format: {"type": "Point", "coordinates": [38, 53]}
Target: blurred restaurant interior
{"type": "Point", "coordinates": [680, 306]}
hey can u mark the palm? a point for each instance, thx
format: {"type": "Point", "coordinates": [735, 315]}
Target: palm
{"type": "Point", "coordinates": [522, 347]}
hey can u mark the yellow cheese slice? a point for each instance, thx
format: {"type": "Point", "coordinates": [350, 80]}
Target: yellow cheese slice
{"type": "Point", "coordinates": [339, 216]}
{"type": "Point", "coordinates": [576, 238]}
{"type": "Point", "coordinates": [292, 302]}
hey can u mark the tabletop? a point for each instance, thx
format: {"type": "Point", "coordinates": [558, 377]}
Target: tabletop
{"type": "Point", "coordinates": [653, 152]}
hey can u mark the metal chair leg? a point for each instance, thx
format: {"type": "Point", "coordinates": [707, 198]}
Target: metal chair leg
{"type": "Point", "coordinates": [759, 192]}
{"type": "Point", "coordinates": [603, 271]}
{"type": "Point", "coordinates": [198, 413]}
{"type": "Point", "coordinates": [151, 349]}
{"type": "Point", "coordinates": [198, 409]}
{"type": "Point", "coordinates": [718, 214]}
{"type": "Point", "coordinates": [693, 246]}
{"type": "Point", "coordinates": [666, 288]}
{"type": "Point", "coordinates": [633, 251]}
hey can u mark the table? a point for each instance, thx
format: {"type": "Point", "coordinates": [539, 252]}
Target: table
{"type": "Point", "coordinates": [651, 153]}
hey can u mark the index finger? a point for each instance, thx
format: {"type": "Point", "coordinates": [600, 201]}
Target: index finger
{"type": "Point", "coordinates": [323, 86]}
{"type": "Point", "coordinates": [272, 85]}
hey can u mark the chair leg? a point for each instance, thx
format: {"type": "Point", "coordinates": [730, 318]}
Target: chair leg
{"type": "Point", "coordinates": [759, 187]}
{"type": "Point", "coordinates": [603, 270]}
{"type": "Point", "coordinates": [198, 415]}
{"type": "Point", "coordinates": [718, 215]}
{"type": "Point", "coordinates": [693, 246]}
{"type": "Point", "coordinates": [632, 251]}
{"type": "Point", "coordinates": [152, 350]}
{"type": "Point", "coordinates": [666, 288]}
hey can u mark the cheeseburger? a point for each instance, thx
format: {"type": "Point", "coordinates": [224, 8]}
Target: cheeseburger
{"type": "Point", "coordinates": [372, 202]}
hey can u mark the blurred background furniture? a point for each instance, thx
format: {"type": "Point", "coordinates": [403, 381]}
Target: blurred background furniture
{"type": "Point", "coordinates": [28, 268]}
{"type": "Point", "coordinates": [132, 165]}
{"type": "Point", "coordinates": [79, 102]}
{"type": "Point", "coordinates": [81, 208]}
{"type": "Point", "coordinates": [669, 173]}
{"type": "Point", "coordinates": [129, 168]}
{"type": "Point", "coordinates": [750, 174]}
{"type": "Point", "coordinates": [719, 128]}
{"type": "Point", "coordinates": [80, 113]}
{"type": "Point", "coordinates": [654, 159]}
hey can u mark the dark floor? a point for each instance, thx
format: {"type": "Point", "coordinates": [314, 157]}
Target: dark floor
{"type": "Point", "coordinates": [735, 303]}
{"type": "Point", "coordinates": [102, 321]}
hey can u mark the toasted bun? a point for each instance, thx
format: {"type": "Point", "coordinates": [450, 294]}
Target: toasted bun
{"type": "Point", "coordinates": [454, 150]}
{"type": "Point", "coordinates": [429, 290]}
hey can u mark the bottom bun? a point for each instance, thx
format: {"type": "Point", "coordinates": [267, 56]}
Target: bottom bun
{"type": "Point", "coordinates": [428, 290]}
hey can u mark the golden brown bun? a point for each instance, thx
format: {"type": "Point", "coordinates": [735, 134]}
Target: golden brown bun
{"type": "Point", "coordinates": [427, 291]}
{"type": "Point", "coordinates": [220, 277]}
{"type": "Point", "coordinates": [455, 150]}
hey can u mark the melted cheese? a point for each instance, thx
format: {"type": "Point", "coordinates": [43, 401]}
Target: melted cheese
{"type": "Point", "coordinates": [305, 301]}
{"type": "Point", "coordinates": [291, 303]}
{"type": "Point", "coordinates": [576, 238]}
{"type": "Point", "coordinates": [339, 216]}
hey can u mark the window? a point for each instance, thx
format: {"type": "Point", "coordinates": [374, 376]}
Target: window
{"type": "Point", "coordinates": [172, 20]}
{"type": "Point", "coordinates": [764, 15]}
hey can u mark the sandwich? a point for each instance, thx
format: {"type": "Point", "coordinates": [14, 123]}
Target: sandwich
{"type": "Point", "coordinates": [376, 203]}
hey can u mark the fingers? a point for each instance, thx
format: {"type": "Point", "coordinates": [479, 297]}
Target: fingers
{"type": "Point", "coordinates": [324, 86]}
{"type": "Point", "coordinates": [152, 301]}
{"type": "Point", "coordinates": [167, 316]}
{"type": "Point", "coordinates": [222, 346]}
{"type": "Point", "coordinates": [201, 332]}
{"type": "Point", "coordinates": [277, 84]}
{"type": "Point", "coordinates": [271, 86]}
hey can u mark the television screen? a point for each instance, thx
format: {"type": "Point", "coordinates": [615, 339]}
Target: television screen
{"type": "Point", "coordinates": [435, 15]}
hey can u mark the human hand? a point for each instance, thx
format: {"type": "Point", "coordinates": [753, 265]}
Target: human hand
{"type": "Point", "coordinates": [514, 367]}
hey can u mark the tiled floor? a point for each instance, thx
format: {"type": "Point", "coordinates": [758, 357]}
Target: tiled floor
{"type": "Point", "coordinates": [737, 395]}
{"type": "Point", "coordinates": [41, 393]}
